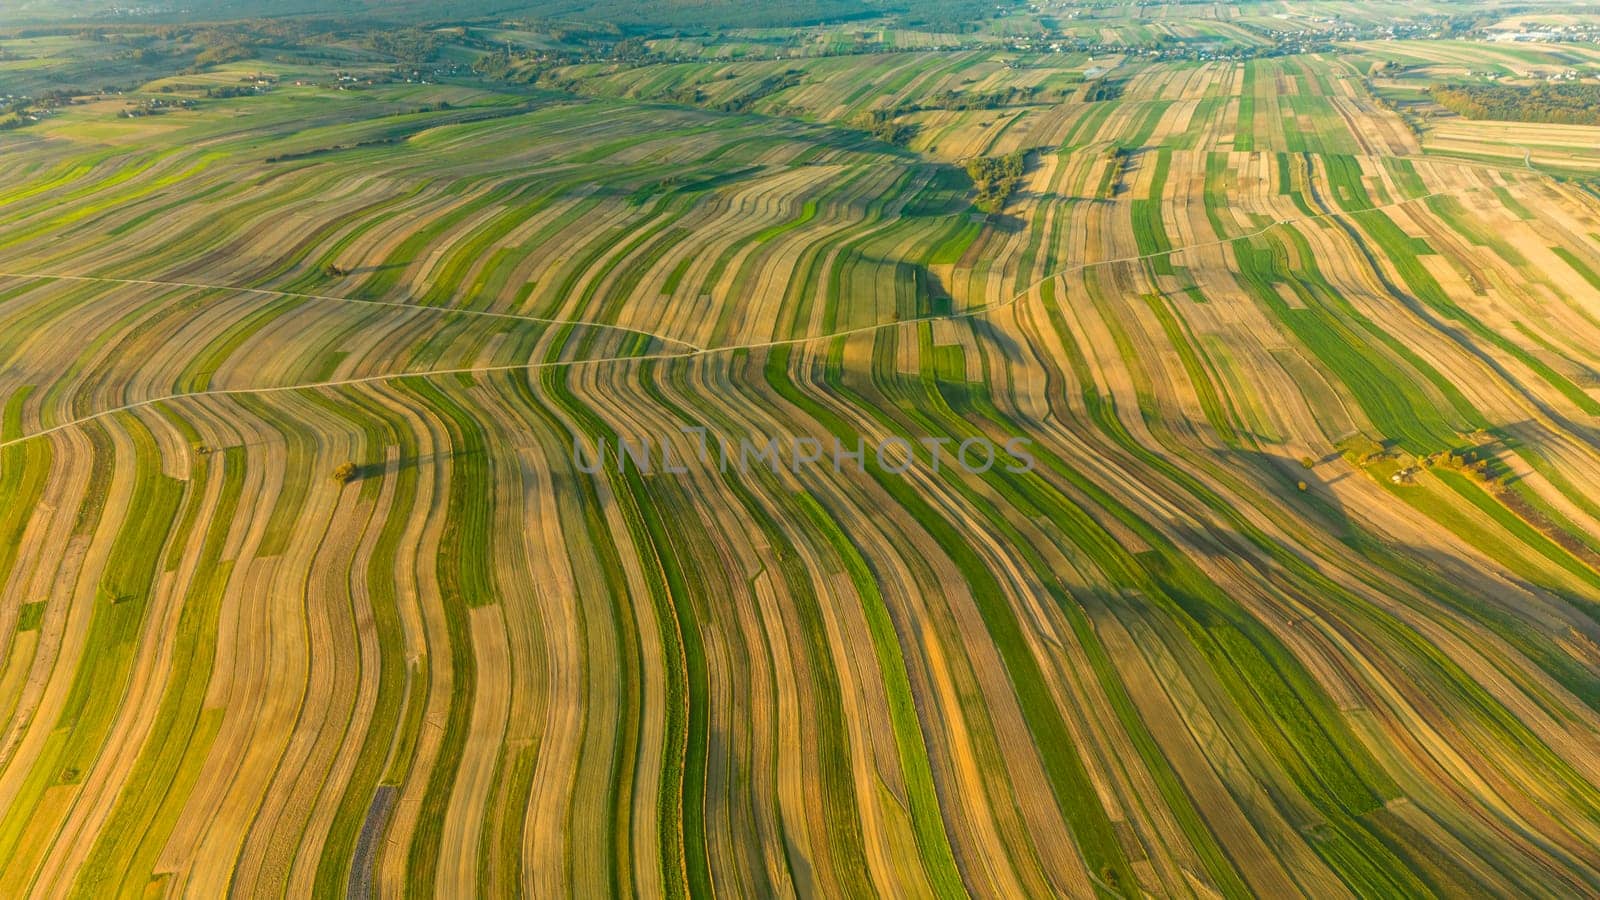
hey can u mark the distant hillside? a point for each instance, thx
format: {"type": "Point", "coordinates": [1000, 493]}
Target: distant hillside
{"type": "Point", "coordinates": [633, 15]}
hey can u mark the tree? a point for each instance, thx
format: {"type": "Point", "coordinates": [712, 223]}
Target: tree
{"type": "Point", "coordinates": [346, 473]}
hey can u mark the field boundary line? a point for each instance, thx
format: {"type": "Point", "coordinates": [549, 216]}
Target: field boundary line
{"type": "Point", "coordinates": [692, 352]}
{"type": "Point", "coordinates": [1068, 270]}
{"type": "Point", "coordinates": [328, 298]}
{"type": "Point", "coordinates": [344, 382]}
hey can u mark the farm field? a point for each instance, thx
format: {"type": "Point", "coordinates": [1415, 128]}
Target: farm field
{"type": "Point", "coordinates": [431, 484]}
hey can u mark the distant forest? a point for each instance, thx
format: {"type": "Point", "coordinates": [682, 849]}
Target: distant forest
{"type": "Point", "coordinates": [1559, 104]}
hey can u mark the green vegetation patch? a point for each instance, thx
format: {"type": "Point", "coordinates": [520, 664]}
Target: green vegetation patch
{"type": "Point", "coordinates": [30, 616]}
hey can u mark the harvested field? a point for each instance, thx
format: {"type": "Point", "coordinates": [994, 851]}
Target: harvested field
{"type": "Point", "coordinates": [378, 511]}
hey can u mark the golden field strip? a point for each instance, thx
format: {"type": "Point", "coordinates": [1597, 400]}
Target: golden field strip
{"type": "Point", "coordinates": [1302, 596]}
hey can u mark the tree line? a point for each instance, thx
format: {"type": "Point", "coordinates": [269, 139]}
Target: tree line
{"type": "Point", "coordinates": [1559, 104]}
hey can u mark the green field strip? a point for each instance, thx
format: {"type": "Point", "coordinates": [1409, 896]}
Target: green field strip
{"type": "Point", "coordinates": [1405, 177]}
{"type": "Point", "coordinates": [64, 174]}
{"type": "Point", "coordinates": [382, 737]}
{"type": "Point", "coordinates": [465, 581]}
{"type": "Point", "coordinates": [1461, 221]}
{"type": "Point", "coordinates": [128, 170]}
{"type": "Point", "coordinates": [808, 211]}
{"type": "Point", "coordinates": [1244, 136]}
{"type": "Point", "coordinates": [1578, 265]}
{"type": "Point", "coordinates": [114, 202]}
{"type": "Point", "coordinates": [1023, 493]}
{"type": "Point", "coordinates": [1290, 186]}
{"type": "Point", "coordinates": [1429, 584]}
{"type": "Point", "coordinates": [1512, 203]}
{"type": "Point", "coordinates": [938, 862]}
{"type": "Point", "coordinates": [289, 502]}
{"type": "Point", "coordinates": [11, 415]}
{"type": "Point", "coordinates": [1525, 535]}
{"type": "Point", "coordinates": [1150, 233]}
{"type": "Point", "coordinates": [1294, 719]}
{"type": "Point", "coordinates": [197, 375]}
{"type": "Point", "coordinates": [449, 276]}
{"type": "Point", "coordinates": [180, 739]}
{"type": "Point", "coordinates": [1402, 251]}
{"type": "Point", "coordinates": [119, 604]}
{"type": "Point", "coordinates": [1386, 393]}
{"type": "Point", "coordinates": [1069, 778]}
{"type": "Point", "coordinates": [24, 469]}
{"type": "Point", "coordinates": [1196, 368]}
{"type": "Point", "coordinates": [385, 282]}
{"type": "Point", "coordinates": [30, 616]}
{"type": "Point", "coordinates": [1216, 196]}
{"type": "Point", "coordinates": [681, 806]}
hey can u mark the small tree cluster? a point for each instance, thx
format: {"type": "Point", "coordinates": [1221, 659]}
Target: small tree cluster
{"type": "Point", "coordinates": [882, 125]}
{"type": "Point", "coordinates": [995, 178]}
